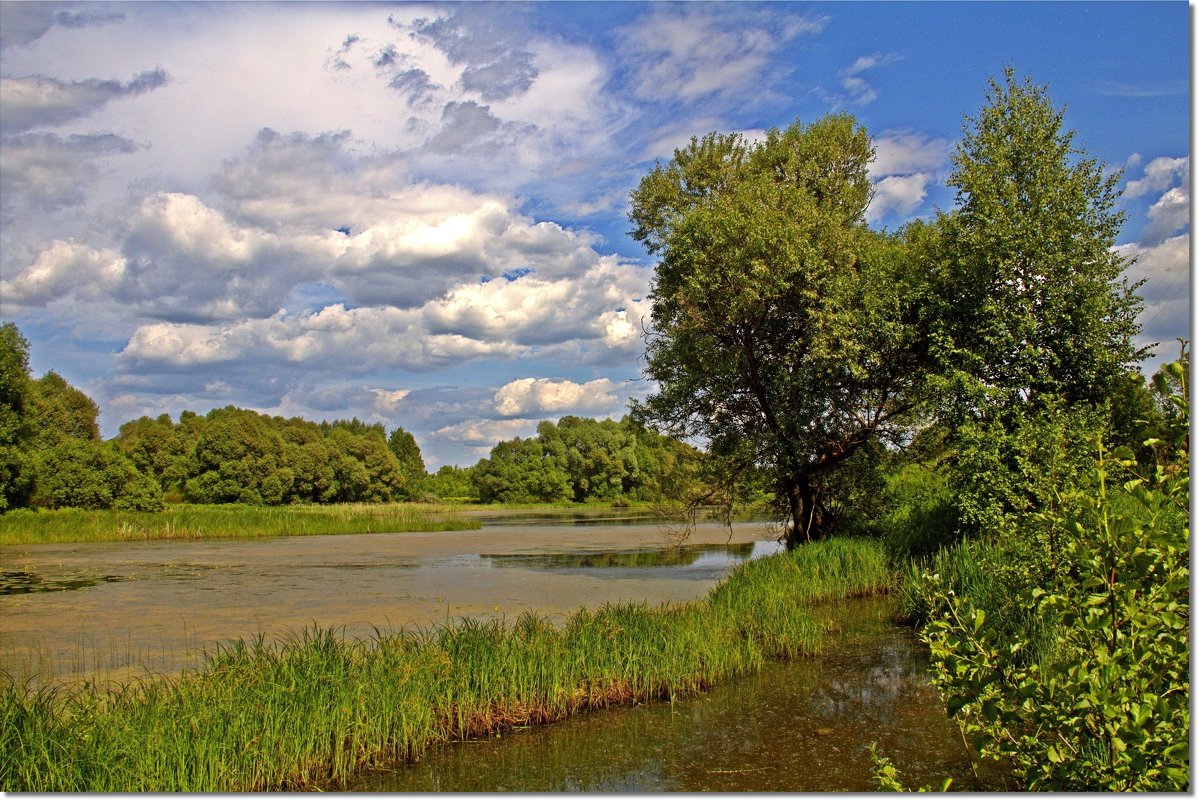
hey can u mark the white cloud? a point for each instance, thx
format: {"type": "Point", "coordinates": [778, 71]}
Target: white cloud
{"type": "Point", "coordinates": [31, 101]}
{"type": "Point", "coordinates": [1170, 213]}
{"type": "Point", "coordinates": [907, 152]}
{"type": "Point", "coordinates": [857, 90]}
{"type": "Point", "coordinates": [1165, 266]}
{"type": "Point", "coordinates": [899, 195]}
{"type": "Point", "coordinates": [1160, 174]}
{"type": "Point", "coordinates": [539, 397]}
{"type": "Point", "coordinates": [483, 434]}
{"type": "Point", "coordinates": [695, 51]}
{"type": "Point", "coordinates": [61, 269]}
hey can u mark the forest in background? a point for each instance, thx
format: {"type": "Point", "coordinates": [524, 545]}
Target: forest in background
{"type": "Point", "coordinates": [52, 457]}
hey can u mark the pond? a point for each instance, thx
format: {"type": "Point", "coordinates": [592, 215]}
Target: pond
{"type": "Point", "coordinates": [111, 611]}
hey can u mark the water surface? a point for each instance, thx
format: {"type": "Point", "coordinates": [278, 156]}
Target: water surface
{"type": "Point", "coordinates": [119, 609]}
{"type": "Point", "coordinates": [801, 726]}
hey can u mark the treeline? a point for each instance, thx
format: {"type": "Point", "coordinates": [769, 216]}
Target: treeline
{"type": "Point", "coordinates": [584, 460]}
{"type": "Point", "coordinates": [52, 456]}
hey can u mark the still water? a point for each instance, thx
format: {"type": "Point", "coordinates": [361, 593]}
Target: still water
{"type": "Point", "coordinates": [112, 611]}
{"type": "Point", "coordinates": [802, 726]}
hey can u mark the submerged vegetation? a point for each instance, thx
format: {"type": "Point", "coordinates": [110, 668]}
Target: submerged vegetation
{"type": "Point", "coordinates": [315, 709]}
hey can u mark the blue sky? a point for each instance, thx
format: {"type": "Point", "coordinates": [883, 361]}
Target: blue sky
{"type": "Point", "coordinates": [416, 213]}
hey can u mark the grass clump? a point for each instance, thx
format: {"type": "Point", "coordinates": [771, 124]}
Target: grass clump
{"type": "Point", "coordinates": [314, 709]}
{"type": "Point", "coordinates": [197, 521]}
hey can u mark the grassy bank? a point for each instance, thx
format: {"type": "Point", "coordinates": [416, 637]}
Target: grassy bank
{"type": "Point", "coordinates": [196, 521]}
{"type": "Point", "coordinates": [315, 709]}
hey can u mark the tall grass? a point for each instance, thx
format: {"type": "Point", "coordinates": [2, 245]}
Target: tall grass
{"type": "Point", "coordinates": [195, 521]}
{"type": "Point", "coordinates": [313, 709]}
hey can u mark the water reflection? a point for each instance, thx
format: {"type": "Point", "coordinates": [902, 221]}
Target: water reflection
{"type": "Point", "coordinates": [802, 726]}
{"type": "Point", "coordinates": [21, 582]}
{"type": "Point", "coordinates": [696, 563]}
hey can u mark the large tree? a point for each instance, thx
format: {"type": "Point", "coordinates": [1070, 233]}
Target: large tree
{"type": "Point", "coordinates": [784, 331]}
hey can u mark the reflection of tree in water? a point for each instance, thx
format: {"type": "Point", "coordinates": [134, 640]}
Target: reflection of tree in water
{"type": "Point", "coordinates": [671, 557]}
{"type": "Point", "coordinates": [797, 726]}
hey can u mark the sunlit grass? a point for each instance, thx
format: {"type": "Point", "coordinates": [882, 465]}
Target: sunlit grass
{"type": "Point", "coordinates": [314, 709]}
{"type": "Point", "coordinates": [197, 521]}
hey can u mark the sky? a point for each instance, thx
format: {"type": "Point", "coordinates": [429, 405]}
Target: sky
{"type": "Point", "coordinates": [416, 214]}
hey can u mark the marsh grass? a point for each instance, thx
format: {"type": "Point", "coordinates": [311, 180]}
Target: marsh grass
{"type": "Point", "coordinates": [197, 521]}
{"type": "Point", "coordinates": [314, 709]}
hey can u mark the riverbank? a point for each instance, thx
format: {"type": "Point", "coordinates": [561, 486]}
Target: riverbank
{"type": "Point", "coordinates": [316, 709]}
{"type": "Point", "coordinates": [208, 521]}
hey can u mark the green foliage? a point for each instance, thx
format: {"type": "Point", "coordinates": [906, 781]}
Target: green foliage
{"type": "Point", "coordinates": [918, 514]}
{"type": "Point", "coordinates": [1034, 305]}
{"type": "Point", "coordinates": [452, 482]}
{"type": "Point", "coordinates": [584, 460]}
{"type": "Point", "coordinates": [407, 453]}
{"type": "Point", "coordinates": [1107, 705]}
{"type": "Point", "coordinates": [888, 776]}
{"type": "Point", "coordinates": [61, 411]}
{"type": "Point", "coordinates": [87, 474]}
{"type": "Point", "coordinates": [1035, 323]}
{"type": "Point", "coordinates": [521, 471]}
{"type": "Point", "coordinates": [782, 332]}
{"type": "Point", "coordinates": [16, 469]}
{"type": "Point", "coordinates": [155, 448]}
{"type": "Point", "coordinates": [231, 520]}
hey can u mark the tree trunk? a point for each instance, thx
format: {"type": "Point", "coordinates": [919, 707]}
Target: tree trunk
{"type": "Point", "coordinates": [804, 525]}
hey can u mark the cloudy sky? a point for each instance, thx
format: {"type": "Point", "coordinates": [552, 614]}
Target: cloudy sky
{"type": "Point", "coordinates": [416, 214]}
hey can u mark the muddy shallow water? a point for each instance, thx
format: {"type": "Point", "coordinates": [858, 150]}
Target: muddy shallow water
{"type": "Point", "coordinates": [115, 610]}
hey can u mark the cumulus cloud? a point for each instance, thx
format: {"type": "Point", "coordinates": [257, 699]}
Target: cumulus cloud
{"type": "Point", "coordinates": [36, 100]}
{"type": "Point", "coordinates": [1169, 214]}
{"type": "Point", "coordinates": [905, 165]}
{"type": "Point", "coordinates": [481, 435]}
{"type": "Point", "coordinates": [61, 269]}
{"type": "Point", "coordinates": [1165, 267]}
{"type": "Point", "coordinates": [1160, 174]}
{"type": "Point", "coordinates": [540, 397]}
{"type": "Point", "coordinates": [907, 152]}
{"type": "Point", "coordinates": [899, 195]}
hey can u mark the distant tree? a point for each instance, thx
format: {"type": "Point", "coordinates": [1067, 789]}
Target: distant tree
{"type": "Point", "coordinates": [521, 471]}
{"type": "Point", "coordinates": [16, 470]}
{"type": "Point", "coordinates": [237, 458]}
{"type": "Point", "coordinates": [156, 448]}
{"type": "Point", "coordinates": [783, 330]}
{"type": "Point", "coordinates": [356, 427]}
{"type": "Point", "coordinates": [451, 482]}
{"type": "Point", "coordinates": [407, 453]}
{"type": "Point", "coordinates": [88, 474]}
{"type": "Point", "coordinates": [59, 410]}
{"type": "Point", "coordinates": [377, 475]}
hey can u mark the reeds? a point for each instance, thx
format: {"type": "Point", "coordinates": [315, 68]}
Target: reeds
{"type": "Point", "coordinates": [196, 521]}
{"type": "Point", "coordinates": [314, 709]}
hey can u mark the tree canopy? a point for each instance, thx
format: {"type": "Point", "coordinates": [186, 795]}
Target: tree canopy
{"type": "Point", "coordinates": [783, 333]}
